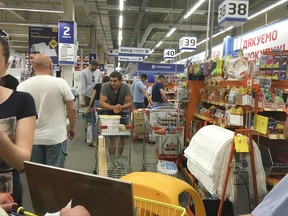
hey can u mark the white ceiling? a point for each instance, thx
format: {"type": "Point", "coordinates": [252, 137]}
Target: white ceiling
{"type": "Point", "coordinates": [145, 22]}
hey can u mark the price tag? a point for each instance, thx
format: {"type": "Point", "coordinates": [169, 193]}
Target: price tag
{"type": "Point", "coordinates": [241, 144]}
{"type": "Point", "coordinates": [187, 44]}
{"type": "Point", "coordinates": [169, 53]}
{"type": "Point", "coordinates": [233, 12]}
{"type": "Point", "coordinates": [260, 124]}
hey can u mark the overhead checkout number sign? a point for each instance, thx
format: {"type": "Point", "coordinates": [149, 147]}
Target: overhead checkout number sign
{"type": "Point", "coordinates": [187, 44]}
{"type": "Point", "coordinates": [169, 54]}
{"type": "Point", "coordinates": [132, 54]}
{"type": "Point", "coordinates": [67, 42]}
{"type": "Point", "coordinates": [233, 12]}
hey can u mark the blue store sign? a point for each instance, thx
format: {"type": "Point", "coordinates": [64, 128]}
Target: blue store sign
{"type": "Point", "coordinates": [67, 42]}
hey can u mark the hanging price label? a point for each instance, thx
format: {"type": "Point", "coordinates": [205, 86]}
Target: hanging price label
{"type": "Point", "coordinates": [241, 144]}
{"type": "Point", "coordinates": [169, 53]}
{"type": "Point", "coordinates": [187, 43]}
{"type": "Point", "coordinates": [233, 12]}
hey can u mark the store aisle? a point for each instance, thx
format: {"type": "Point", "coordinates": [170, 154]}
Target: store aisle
{"type": "Point", "coordinates": [81, 157]}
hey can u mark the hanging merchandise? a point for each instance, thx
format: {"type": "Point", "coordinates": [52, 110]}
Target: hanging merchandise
{"type": "Point", "coordinates": [219, 68]}
{"type": "Point", "coordinates": [237, 68]}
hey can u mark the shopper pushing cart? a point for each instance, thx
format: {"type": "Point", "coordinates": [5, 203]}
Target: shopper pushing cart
{"type": "Point", "coordinates": [116, 99]}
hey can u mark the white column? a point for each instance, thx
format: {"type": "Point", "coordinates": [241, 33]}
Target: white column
{"type": "Point", "coordinates": [69, 14]}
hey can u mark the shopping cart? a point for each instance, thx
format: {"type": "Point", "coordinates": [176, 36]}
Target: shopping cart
{"type": "Point", "coordinates": [147, 207]}
{"type": "Point", "coordinates": [164, 134]}
{"type": "Point", "coordinates": [118, 158]}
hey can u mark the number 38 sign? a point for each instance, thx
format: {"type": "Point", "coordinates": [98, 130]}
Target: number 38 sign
{"type": "Point", "coordinates": [233, 12]}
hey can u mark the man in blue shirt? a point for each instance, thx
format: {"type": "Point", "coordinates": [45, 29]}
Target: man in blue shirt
{"type": "Point", "coordinates": [140, 92]}
{"type": "Point", "coordinates": [158, 93]}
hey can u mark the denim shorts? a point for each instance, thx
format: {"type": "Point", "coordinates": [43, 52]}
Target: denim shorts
{"type": "Point", "coordinates": [53, 155]}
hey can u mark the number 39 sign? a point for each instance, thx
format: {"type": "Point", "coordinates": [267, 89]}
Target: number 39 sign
{"type": "Point", "coordinates": [233, 12]}
{"type": "Point", "coordinates": [187, 44]}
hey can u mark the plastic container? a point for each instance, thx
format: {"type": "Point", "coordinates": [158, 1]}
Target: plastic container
{"type": "Point", "coordinates": [167, 168]}
{"type": "Point", "coordinates": [111, 121]}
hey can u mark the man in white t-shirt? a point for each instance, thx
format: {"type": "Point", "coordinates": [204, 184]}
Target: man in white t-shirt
{"type": "Point", "coordinates": [52, 96]}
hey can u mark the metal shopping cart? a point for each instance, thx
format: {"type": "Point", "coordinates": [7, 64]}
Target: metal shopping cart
{"type": "Point", "coordinates": [117, 156]}
{"type": "Point", "coordinates": [164, 137]}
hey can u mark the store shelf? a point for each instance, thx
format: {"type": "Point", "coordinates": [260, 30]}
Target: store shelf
{"type": "Point", "coordinates": [214, 121]}
{"type": "Point", "coordinates": [218, 103]}
{"type": "Point", "coordinates": [271, 110]}
{"type": "Point", "coordinates": [271, 136]}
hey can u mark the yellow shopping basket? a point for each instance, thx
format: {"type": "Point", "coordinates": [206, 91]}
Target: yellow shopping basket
{"type": "Point", "coordinates": [147, 207]}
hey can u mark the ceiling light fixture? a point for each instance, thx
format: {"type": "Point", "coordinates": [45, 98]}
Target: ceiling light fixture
{"type": "Point", "coordinates": [159, 43]}
{"type": "Point", "coordinates": [120, 21]}
{"type": "Point", "coordinates": [171, 32]}
{"type": "Point", "coordinates": [194, 8]}
{"type": "Point", "coordinates": [121, 5]}
{"type": "Point", "coordinates": [267, 9]}
{"type": "Point", "coordinates": [31, 10]}
{"type": "Point", "coordinates": [120, 35]}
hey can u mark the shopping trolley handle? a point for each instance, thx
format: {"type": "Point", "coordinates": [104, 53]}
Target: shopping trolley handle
{"type": "Point", "coordinates": [104, 126]}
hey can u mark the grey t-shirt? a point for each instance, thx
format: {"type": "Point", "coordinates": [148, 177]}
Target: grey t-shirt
{"type": "Point", "coordinates": [108, 92]}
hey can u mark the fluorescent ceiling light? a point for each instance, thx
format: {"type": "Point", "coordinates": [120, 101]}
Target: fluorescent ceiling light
{"type": "Point", "coordinates": [120, 21]}
{"type": "Point", "coordinates": [120, 35]}
{"type": "Point", "coordinates": [215, 35]}
{"type": "Point", "coordinates": [152, 51]}
{"type": "Point", "coordinates": [267, 9]}
{"type": "Point", "coordinates": [119, 43]}
{"type": "Point", "coordinates": [121, 5]}
{"type": "Point", "coordinates": [28, 24]}
{"type": "Point", "coordinates": [194, 8]}
{"type": "Point", "coordinates": [159, 43]}
{"type": "Point", "coordinates": [31, 10]}
{"type": "Point", "coordinates": [171, 32]}
{"type": "Point", "coordinates": [225, 30]}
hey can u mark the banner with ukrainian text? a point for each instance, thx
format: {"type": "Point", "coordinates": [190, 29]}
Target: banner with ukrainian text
{"type": "Point", "coordinates": [266, 38]}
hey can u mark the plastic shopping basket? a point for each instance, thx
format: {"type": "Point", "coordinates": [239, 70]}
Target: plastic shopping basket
{"type": "Point", "coordinates": [147, 207]}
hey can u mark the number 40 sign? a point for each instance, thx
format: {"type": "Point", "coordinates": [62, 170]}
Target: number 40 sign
{"type": "Point", "coordinates": [233, 12]}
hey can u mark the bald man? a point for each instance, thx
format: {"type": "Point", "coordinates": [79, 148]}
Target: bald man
{"type": "Point", "coordinates": [52, 96]}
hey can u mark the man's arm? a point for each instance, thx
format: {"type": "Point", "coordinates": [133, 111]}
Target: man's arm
{"type": "Point", "coordinates": [83, 88]}
{"type": "Point", "coordinates": [163, 95]}
{"type": "Point", "coordinates": [128, 103]}
{"type": "Point", "coordinates": [145, 93]}
{"type": "Point", "coordinates": [72, 118]}
{"type": "Point", "coordinates": [103, 103]}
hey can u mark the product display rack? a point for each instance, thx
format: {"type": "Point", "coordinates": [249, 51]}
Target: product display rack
{"type": "Point", "coordinates": [268, 139]}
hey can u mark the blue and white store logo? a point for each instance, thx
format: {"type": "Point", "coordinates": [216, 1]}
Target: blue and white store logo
{"type": "Point", "coordinates": [153, 66]}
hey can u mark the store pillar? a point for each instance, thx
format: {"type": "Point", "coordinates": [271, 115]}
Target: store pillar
{"type": "Point", "coordinates": [69, 14]}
